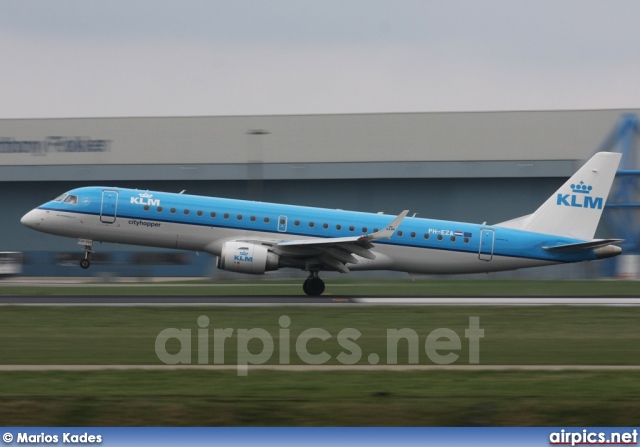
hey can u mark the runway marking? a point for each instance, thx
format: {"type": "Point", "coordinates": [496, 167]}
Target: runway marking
{"type": "Point", "coordinates": [505, 301]}
{"type": "Point", "coordinates": [309, 368]}
{"type": "Point", "coordinates": [270, 301]}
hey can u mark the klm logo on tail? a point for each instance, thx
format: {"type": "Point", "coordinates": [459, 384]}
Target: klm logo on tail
{"type": "Point", "coordinates": [580, 198]}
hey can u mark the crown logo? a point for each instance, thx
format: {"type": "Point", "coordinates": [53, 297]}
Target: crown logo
{"type": "Point", "coordinates": [581, 188]}
{"type": "Point", "coordinates": [145, 195]}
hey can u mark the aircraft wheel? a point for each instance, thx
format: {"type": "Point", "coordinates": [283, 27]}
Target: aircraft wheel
{"type": "Point", "coordinates": [313, 286]}
{"type": "Point", "coordinates": [85, 263]}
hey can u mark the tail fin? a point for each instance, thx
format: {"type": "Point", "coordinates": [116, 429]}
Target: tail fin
{"type": "Point", "coordinates": [574, 210]}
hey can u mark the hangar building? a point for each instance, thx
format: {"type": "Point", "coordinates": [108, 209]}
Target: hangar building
{"type": "Point", "coordinates": [474, 167]}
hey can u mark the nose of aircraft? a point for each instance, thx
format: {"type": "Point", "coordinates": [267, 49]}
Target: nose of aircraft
{"type": "Point", "coordinates": [31, 219]}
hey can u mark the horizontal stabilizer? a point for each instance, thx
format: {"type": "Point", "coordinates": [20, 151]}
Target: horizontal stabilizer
{"type": "Point", "coordinates": [580, 246]}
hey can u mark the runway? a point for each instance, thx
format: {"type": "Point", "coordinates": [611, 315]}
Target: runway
{"type": "Point", "coordinates": [310, 368]}
{"type": "Point", "coordinates": [257, 301]}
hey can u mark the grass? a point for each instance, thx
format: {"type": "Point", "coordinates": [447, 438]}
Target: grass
{"type": "Point", "coordinates": [267, 398]}
{"type": "Point", "coordinates": [342, 287]}
{"type": "Point", "coordinates": [127, 335]}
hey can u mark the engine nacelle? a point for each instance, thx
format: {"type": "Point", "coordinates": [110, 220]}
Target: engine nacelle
{"type": "Point", "coordinates": [243, 257]}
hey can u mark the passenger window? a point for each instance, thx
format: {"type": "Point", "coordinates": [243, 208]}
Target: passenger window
{"type": "Point", "coordinates": [364, 229]}
{"type": "Point", "coordinates": [295, 222]}
{"type": "Point", "coordinates": [266, 220]}
{"type": "Point", "coordinates": [199, 213]}
{"type": "Point", "coordinates": [311, 225]}
{"type": "Point", "coordinates": [399, 233]}
{"type": "Point", "coordinates": [325, 226]}
{"type": "Point", "coordinates": [146, 207]}
{"type": "Point", "coordinates": [159, 209]}
{"type": "Point", "coordinates": [253, 218]}
{"type": "Point", "coordinates": [173, 210]}
{"type": "Point", "coordinates": [453, 238]}
{"type": "Point", "coordinates": [239, 216]}
{"type": "Point", "coordinates": [186, 212]}
{"type": "Point", "coordinates": [375, 230]}
{"type": "Point", "coordinates": [338, 227]}
{"type": "Point", "coordinates": [466, 240]}
{"type": "Point", "coordinates": [439, 237]}
{"type": "Point", "coordinates": [413, 234]}
{"type": "Point", "coordinates": [352, 228]}
{"type": "Point", "coordinates": [213, 214]}
{"type": "Point", "coordinates": [426, 235]}
{"type": "Point", "coordinates": [226, 215]}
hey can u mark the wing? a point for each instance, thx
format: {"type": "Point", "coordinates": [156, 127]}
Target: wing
{"type": "Point", "coordinates": [334, 253]}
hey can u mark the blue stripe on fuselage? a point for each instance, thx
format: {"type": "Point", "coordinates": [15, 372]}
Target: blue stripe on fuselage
{"type": "Point", "coordinates": [131, 205]}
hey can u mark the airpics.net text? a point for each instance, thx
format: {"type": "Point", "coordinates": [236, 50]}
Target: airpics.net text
{"type": "Point", "coordinates": [441, 345]}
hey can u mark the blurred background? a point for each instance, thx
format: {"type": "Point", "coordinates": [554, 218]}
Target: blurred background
{"type": "Point", "coordinates": [467, 166]}
{"type": "Point", "coordinates": [454, 110]}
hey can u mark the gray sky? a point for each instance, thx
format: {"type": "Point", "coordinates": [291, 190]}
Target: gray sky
{"type": "Point", "coordinates": [77, 58]}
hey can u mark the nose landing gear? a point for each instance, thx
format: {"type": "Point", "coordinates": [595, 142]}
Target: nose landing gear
{"type": "Point", "coordinates": [86, 262]}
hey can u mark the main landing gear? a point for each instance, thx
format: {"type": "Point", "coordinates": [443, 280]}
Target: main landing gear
{"type": "Point", "coordinates": [313, 285]}
{"type": "Point", "coordinates": [86, 262]}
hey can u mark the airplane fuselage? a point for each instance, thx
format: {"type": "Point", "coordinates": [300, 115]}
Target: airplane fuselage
{"type": "Point", "coordinates": [188, 222]}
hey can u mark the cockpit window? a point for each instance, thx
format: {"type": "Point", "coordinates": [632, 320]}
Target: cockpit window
{"type": "Point", "coordinates": [71, 199]}
{"type": "Point", "coordinates": [60, 198]}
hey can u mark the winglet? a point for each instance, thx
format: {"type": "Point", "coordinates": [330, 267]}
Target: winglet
{"type": "Point", "coordinates": [389, 229]}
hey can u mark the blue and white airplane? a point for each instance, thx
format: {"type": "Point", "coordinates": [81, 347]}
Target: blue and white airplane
{"type": "Point", "coordinates": [257, 237]}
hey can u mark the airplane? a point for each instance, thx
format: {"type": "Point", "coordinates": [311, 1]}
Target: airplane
{"type": "Point", "coordinates": [257, 237]}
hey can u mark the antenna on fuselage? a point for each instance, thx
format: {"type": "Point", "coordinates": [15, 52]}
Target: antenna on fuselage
{"type": "Point", "coordinates": [182, 192]}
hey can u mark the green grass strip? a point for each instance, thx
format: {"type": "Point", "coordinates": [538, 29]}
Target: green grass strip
{"type": "Point", "coordinates": [267, 398]}
{"type": "Point", "coordinates": [550, 335]}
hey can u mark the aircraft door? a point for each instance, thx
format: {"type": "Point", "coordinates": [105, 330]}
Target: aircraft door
{"type": "Point", "coordinates": [109, 206]}
{"type": "Point", "coordinates": [282, 224]}
{"type": "Point", "coordinates": [487, 238]}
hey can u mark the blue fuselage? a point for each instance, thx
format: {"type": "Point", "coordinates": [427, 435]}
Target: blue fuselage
{"type": "Point", "coordinates": [189, 222]}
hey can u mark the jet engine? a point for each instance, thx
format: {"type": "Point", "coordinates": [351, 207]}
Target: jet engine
{"type": "Point", "coordinates": [243, 257]}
